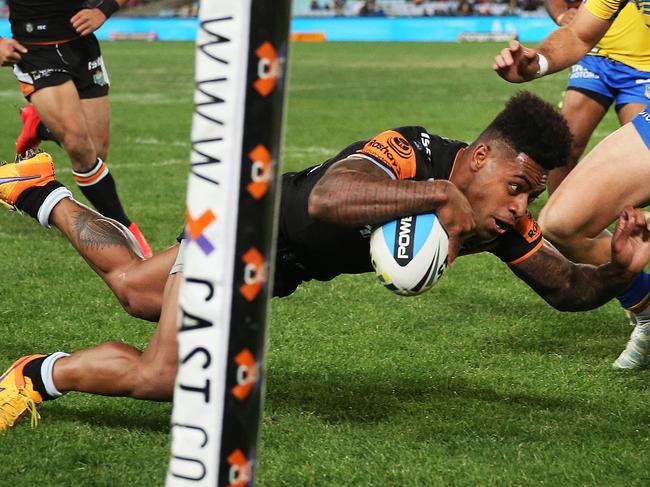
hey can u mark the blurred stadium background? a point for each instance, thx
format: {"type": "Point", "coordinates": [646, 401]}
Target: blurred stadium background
{"type": "Point", "coordinates": [477, 382]}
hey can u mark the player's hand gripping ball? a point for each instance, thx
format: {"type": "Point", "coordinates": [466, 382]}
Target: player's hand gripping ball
{"type": "Point", "coordinates": [410, 254]}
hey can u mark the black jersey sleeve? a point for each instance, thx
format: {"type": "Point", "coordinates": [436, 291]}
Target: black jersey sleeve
{"type": "Point", "coordinates": [520, 242]}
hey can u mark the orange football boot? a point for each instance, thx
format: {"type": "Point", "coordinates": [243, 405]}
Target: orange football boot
{"type": "Point", "coordinates": [18, 176]}
{"type": "Point", "coordinates": [28, 138]}
{"type": "Point", "coordinates": [17, 395]}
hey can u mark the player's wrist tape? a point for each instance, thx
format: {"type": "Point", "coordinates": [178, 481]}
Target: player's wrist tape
{"type": "Point", "coordinates": [543, 65]}
{"type": "Point", "coordinates": [108, 7]}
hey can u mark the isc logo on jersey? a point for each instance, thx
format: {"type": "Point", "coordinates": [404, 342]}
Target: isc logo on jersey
{"type": "Point", "coordinates": [410, 254]}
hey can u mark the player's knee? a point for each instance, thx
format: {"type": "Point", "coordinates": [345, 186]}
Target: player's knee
{"type": "Point", "coordinates": [81, 151]}
{"type": "Point", "coordinates": [555, 225]}
{"type": "Point", "coordinates": [134, 300]}
{"type": "Point", "coordinates": [157, 379]}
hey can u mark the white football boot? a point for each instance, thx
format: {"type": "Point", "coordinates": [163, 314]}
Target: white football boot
{"type": "Point", "coordinates": [636, 355]}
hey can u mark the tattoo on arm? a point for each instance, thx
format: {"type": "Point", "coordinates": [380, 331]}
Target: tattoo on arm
{"type": "Point", "coordinates": [356, 192]}
{"type": "Point", "coordinates": [567, 286]}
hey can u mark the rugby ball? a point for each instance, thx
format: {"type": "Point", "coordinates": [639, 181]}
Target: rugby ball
{"type": "Point", "coordinates": [410, 254]}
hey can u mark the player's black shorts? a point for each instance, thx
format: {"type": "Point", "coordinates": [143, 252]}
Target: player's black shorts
{"type": "Point", "coordinates": [79, 60]}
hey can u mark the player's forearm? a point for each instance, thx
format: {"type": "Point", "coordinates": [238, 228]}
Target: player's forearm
{"type": "Point", "coordinates": [567, 45]}
{"type": "Point", "coordinates": [563, 48]}
{"type": "Point", "coordinates": [354, 199]}
{"type": "Point", "coordinates": [590, 287]}
{"type": "Point", "coordinates": [572, 287]}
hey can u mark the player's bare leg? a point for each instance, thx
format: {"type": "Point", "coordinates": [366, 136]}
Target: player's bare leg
{"type": "Point", "coordinates": [83, 129]}
{"type": "Point", "coordinates": [118, 369]}
{"type": "Point", "coordinates": [97, 112]}
{"type": "Point", "coordinates": [583, 114]}
{"type": "Point", "coordinates": [627, 112]}
{"type": "Point", "coordinates": [614, 175]}
{"type": "Point", "coordinates": [61, 111]}
{"type": "Point", "coordinates": [110, 252]}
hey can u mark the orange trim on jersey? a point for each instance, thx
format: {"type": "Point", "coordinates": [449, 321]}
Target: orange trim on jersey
{"type": "Point", "coordinates": [392, 148]}
{"type": "Point", "coordinates": [88, 180]}
{"type": "Point", "coordinates": [26, 88]}
{"type": "Point", "coordinates": [527, 254]}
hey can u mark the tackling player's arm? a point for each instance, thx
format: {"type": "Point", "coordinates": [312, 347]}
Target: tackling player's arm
{"type": "Point", "coordinates": [577, 287]}
{"type": "Point", "coordinates": [88, 20]}
{"type": "Point", "coordinates": [356, 192]}
{"type": "Point", "coordinates": [561, 49]}
{"type": "Point", "coordinates": [560, 11]}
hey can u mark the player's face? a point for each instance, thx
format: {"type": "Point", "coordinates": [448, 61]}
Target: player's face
{"type": "Point", "coordinates": [503, 187]}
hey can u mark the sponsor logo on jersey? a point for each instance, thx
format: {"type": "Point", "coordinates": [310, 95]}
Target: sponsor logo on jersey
{"type": "Point", "coordinates": [426, 143]}
{"type": "Point", "coordinates": [401, 146]}
{"type": "Point", "coordinates": [240, 471]}
{"type": "Point", "coordinates": [254, 273]}
{"type": "Point", "coordinates": [528, 228]}
{"type": "Point", "coordinates": [248, 374]}
{"type": "Point", "coordinates": [394, 150]}
{"type": "Point", "coordinates": [269, 69]}
{"type": "Point", "coordinates": [261, 172]}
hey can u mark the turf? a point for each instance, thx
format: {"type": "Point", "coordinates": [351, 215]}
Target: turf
{"type": "Point", "coordinates": [478, 382]}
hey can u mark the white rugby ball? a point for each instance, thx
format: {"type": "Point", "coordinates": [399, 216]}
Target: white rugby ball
{"type": "Point", "coordinates": [410, 254]}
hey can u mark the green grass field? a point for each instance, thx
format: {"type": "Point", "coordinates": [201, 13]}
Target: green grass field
{"type": "Point", "coordinates": [478, 382]}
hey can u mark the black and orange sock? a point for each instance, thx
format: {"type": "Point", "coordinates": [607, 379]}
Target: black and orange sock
{"type": "Point", "coordinates": [99, 187]}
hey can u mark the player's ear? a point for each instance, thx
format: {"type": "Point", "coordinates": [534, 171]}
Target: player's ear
{"type": "Point", "coordinates": [479, 157]}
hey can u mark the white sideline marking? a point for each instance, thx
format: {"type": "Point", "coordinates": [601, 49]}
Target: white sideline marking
{"type": "Point", "coordinates": [155, 141]}
{"type": "Point", "coordinates": [146, 98]}
{"type": "Point", "coordinates": [167, 162]}
{"type": "Point", "coordinates": [313, 149]}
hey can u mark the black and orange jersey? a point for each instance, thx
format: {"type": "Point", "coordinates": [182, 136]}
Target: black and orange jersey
{"type": "Point", "coordinates": [43, 20]}
{"type": "Point", "coordinates": [312, 249]}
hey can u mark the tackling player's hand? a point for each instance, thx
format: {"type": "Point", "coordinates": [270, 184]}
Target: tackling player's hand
{"type": "Point", "coordinates": [457, 217]}
{"type": "Point", "coordinates": [631, 240]}
{"type": "Point", "coordinates": [10, 51]}
{"type": "Point", "coordinates": [516, 63]}
{"type": "Point", "coordinates": [87, 21]}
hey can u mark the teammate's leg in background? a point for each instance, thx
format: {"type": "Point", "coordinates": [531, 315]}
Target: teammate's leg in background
{"type": "Point", "coordinates": [65, 115]}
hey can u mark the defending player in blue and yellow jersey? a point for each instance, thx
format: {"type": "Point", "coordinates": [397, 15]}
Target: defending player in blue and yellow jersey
{"type": "Point", "coordinates": [616, 173]}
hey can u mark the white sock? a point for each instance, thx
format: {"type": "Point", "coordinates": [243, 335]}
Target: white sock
{"type": "Point", "coordinates": [46, 373]}
{"type": "Point", "coordinates": [50, 202]}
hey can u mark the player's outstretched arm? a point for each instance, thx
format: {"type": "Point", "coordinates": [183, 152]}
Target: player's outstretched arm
{"type": "Point", "coordinates": [578, 287]}
{"type": "Point", "coordinates": [561, 49]}
{"type": "Point", "coordinates": [355, 192]}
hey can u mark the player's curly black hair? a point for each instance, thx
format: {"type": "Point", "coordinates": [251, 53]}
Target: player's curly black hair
{"type": "Point", "coordinates": [533, 126]}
